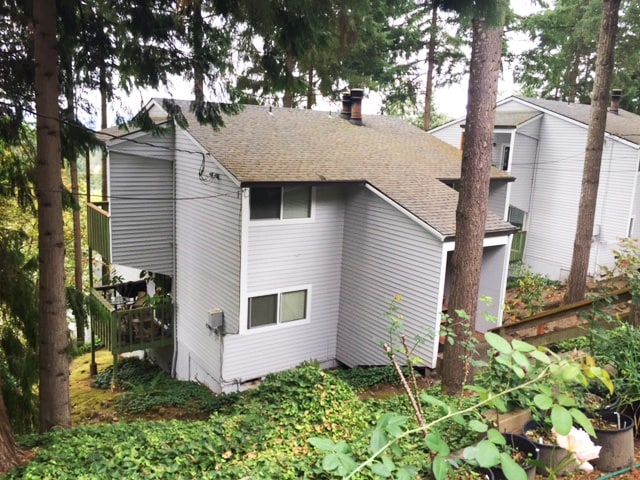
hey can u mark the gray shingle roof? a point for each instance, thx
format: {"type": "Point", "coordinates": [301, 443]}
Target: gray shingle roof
{"type": "Point", "coordinates": [624, 124]}
{"type": "Point", "coordinates": [291, 145]}
{"type": "Point", "coordinates": [512, 119]}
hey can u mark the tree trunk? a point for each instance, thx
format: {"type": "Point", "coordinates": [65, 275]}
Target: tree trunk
{"type": "Point", "coordinates": [572, 81]}
{"type": "Point", "coordinates": [311, 98]}
{"type": "Point", "coordinates": [197, 40]}
{"type": "Point", "coordinates": [77, 244]}
{"type": "Point", "coordinates": [69, 93]}
{"type": "Point", "coordinates": [428, 95]}
{"type": "Point", "coordinates": [10, 453]}
{"type": "Point", "coordinates": [471, 213]}
{"type": "Point", "coordinates": [54, 341]}
{"type": "Point", "coordinates": [290, 63]}
{"type": "Point", "coordinates": [576, 284]}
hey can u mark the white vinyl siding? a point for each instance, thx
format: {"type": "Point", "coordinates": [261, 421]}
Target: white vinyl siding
{"type": "Point", "coordinates": [498, 198]}
{"type": "Point", "coordinates": [523, 164]}
{"type": "Point", "coordinates": [555, 198]}
{"type": "Point", "coordinates": [450, 133]}
{"type": "Point", "coordinates": [208, 263]}
{"type": "Point", "coordinates": [141, 205]}
{"type": "Point", "coordinates": [282, 256]}
{"type": "Point", "coordinates": [386, 254]}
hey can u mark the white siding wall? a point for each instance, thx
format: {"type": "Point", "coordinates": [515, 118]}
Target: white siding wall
{"type": "Point", "coordinates": [386, 253]}
{"type": "Point", "coordinates": [554, 208]}
{"type": "Point", "coordinates": [141, 205]}
{"type": "Point", "coordinates": [450, 133]}
{"type": "Point", "coordinates": [498, 198]}
{"type": "Point", "coordinates": [208, 263]}
{"type": "Point", "coordinates": [616, 189]}
{"type": "Point", "coordinates": [635, 210]}
{"type": "Point", "coordinates": [523, 166]}
{"type": "Point", "coordinates": [286, 255]}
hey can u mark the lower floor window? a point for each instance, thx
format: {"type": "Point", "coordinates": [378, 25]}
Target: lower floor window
{"type": "Point", "coordinates": [277, 308]}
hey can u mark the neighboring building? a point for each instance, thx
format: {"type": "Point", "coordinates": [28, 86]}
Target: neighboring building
{"type": "Point", "coordinates": [301, 227]}
{"type": "Point", "coordinates": [542, 144]}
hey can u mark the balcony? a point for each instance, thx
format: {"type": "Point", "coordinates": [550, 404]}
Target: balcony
{"type": "Point", "coordinates": [124, 328]}
{"type": "Point", "coordinates": [517, 246]}
{"type": "Point", "coordinates": [98, 229]}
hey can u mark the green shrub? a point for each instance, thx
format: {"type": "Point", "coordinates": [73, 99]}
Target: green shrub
{"type": "Point", "coordinates": [361, 378]}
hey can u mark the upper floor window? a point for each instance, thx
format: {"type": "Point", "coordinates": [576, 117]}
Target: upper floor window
{"type": "Point", "coordinates": [517, 217]}
{"type": "Point", "coordinates": [272, 203]}
{"type": "Point", "coordinates": [502, 162]}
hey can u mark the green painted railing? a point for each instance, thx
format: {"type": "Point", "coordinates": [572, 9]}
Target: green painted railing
{"type": "Point", "coordinates": [98, 229]}
{"type": "Point", "coordinates": [517, 246]}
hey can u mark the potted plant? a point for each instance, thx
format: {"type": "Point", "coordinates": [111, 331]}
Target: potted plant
{"type": "Point", "coordinates": [614, 432]}
{"type": "Point", "coordinates": [523, 451]}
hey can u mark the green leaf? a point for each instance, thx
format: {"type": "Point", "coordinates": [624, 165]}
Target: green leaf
{"type": "Point", "coordinates": [581, 419]}
{"type": "Point", "coordinates": [378, 441]}
{"type": "Point", "coordinates": [497, 342]}
{"type": "Point", "coordinates": [339, 463]}
{"type": "Point", "coordinates": [521, 346]}
{"type": "Point", "coordinates": [430, 399]}
{"type": "Point", "coordinates": [561, 420]}
{"type": "Point", "coordinates": [542, 401]}
{"type": "Point", "coordinates": [496, 437]}
{"type": "Point", "coordinates": [405, 473]}
{"type": "Point", "coordinates": [488, 454]}
{"type": "Point", "coordinates": [440, 468]}
{"type": "Point", "coordinates": [540, 356]}
{"type": "Point", "coordinates": [510, 468]}
{"type": "Point", "coordinates": [435, 443]}
{"type": "Point", "coordinates": [477, 426]}
{"type": "Point", "coordinates": [323, 444]}
{"type": "Point", "coordinates": [521, 359]}
{"type": "Point", "coordinates": [381, 470]}
{"type": "Point", "coordinates": [518, 371]}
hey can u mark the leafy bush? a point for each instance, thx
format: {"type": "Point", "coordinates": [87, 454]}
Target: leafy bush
{"type": "Point", "coordinates": [262, 436]}
{"type": "Point", "coordinates": [361, 378]}
{"type": "Point", "coordinates": [148, 388]}
{"type": "Point", "coordinates": [529, 288]}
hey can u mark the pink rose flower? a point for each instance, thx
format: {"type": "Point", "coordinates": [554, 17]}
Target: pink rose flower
{"type": "Point", "coordinates": [579, 443]}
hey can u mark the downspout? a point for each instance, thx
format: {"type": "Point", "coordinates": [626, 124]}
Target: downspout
{"type": "Point", "coordinates": [174, 262]}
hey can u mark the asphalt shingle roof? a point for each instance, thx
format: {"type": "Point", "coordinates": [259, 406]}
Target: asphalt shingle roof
{"type": "Point", "coordinates": [292, 145]}
{"type": "Point", "coordinates": [624, 124]}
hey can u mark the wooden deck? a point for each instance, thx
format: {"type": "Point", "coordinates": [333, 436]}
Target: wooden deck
{"type": "Point", "coordinates": [124, 329]}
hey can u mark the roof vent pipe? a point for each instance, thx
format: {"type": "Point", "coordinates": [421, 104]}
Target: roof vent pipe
{"type": "Point", "coordinates": [346, 105]}
{"type": "Point", "coordinates": [356, 105]}
{"type": "Point", "coordinates": [616, 95]}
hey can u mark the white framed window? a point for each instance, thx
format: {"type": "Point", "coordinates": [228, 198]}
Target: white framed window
{"type": "Point", "coordinates": [280, 203]}
{"type": "Point", "coordinates": [504, 157]}
{"type": "Point", "coordinates": [278, 308]}
{"type": "Point", "coordinates": [517, 217]}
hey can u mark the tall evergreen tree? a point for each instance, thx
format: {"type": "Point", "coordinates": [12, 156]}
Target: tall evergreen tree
{"type": "Point", "coordinates": [471, 212]}
{"type": "Point", "coordinates": [576, 284]}
{"type": "Point", "coordinates": [55, 407]}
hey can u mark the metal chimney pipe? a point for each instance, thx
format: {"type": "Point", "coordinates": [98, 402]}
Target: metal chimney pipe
{"type": "Point", "coordinates": [356, 105]}
{"type": "Point", "coordinates": [346, 105]}
{"type": "Point", "coordinates": [616, 95]}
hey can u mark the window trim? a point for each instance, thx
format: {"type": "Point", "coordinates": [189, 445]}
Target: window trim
{"type": "Point", "coordinates": [278, 325]}
{"type": "Point", "coordinates": [281, 219]}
